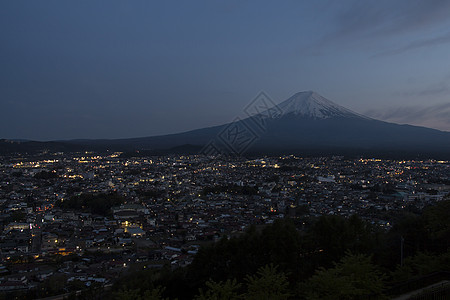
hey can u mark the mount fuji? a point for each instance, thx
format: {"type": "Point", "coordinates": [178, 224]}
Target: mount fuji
{"type": "Point", "coordinates": [312, 105]}
{"type": "Point", "coordinates": [306, 123]}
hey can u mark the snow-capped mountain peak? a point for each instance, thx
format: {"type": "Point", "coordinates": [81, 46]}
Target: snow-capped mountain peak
{"type": "Point", "coordinates": [313, 105]}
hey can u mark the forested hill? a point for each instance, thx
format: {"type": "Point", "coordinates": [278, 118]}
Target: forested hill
{"type": "Point", "coordinates": [330, 257]}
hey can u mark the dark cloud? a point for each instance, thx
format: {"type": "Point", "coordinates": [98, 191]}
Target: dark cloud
{"type": "Point", "coordinates": [439, 89]}
{"type": "Point", "coordinates": [375, 18]}
{"type": "Point", "coordinates": [443, 39]}
{"type": "Point", "coordinates": [435, 90]}
{"type": "Point", "coordinates": [367, 23]}
{"type": "Point", "coordinates": [436, 116]}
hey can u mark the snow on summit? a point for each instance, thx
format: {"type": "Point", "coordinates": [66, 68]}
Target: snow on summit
{"type": "Point", "coordinates": [311, 104]}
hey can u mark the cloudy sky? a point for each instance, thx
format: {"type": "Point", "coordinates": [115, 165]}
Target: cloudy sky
{"type": "Point", "coordinates": [110, 69]}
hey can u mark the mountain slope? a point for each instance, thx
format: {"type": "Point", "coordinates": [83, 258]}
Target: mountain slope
{"type": "Point", "coordinates": [304, 123]}
{"type": "Point", "coordinates": [310, 121]}
{"type": "Point", "coordinates": [13, 146]}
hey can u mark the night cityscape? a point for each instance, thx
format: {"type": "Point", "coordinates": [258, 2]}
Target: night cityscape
{"type": "Point", "coordinates": [87, 219]}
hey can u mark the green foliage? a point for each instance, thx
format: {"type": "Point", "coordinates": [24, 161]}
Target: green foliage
{"type": "Point", "coordinates": [227, 290]}
{"type": "Point", "coordinates": [316, 259]}
{"type": "Point", "coordinates": [137, 294]}
{"type": "Point", "coordinates": [421, 264]}
{"type": "Point", "coordinates": [268, 284]}
{"type": "Point", "coordinates": [94, 203]}
{"type": "Point", "coordinates": [127, 294]}
{"type": "Point", "coordinates": [140, 280]}
{"type": "Point", "coordinates": [331, 236]}
{"type": "Point", "coordinates": [154, 294]}
{"type": "Point", "coordinates": [354, 277]}
{"type": "Point", "coordinates": [412, 228]}
{"type": "Point", "coordinates": [278, 243]}
{"type": "Point", "coordinates": [437, 224]}
{"type": "Point", "coordinates": [281, 243]}
{"type": "Point", "coordinates": [429, 232]}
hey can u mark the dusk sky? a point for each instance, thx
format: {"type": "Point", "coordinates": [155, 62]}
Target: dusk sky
{"type": "Point", "coordinates": [115, 69]}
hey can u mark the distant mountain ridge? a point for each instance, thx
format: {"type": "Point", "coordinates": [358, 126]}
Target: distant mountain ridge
{"type": "Point", "coordinates": [304, 123]}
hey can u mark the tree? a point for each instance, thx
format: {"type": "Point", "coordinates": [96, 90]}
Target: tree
{"type": "Point", "coordinates": [268, 284]}
{"type": "Point", "coordinates": [220, 290]}
{"type": "Point", "coordinates": [127, 294]}
{"type": "Point", "coordinates": [278, 243]}
{"type": "Point", "coordinates": [136, 294]}
{"type": "Point", "coordinates": [331, 236]}
{"type": "Point", "coordinates": [154, 294]}
{"type": "Point", "coordinates": [421, 264]}
{"type": "Point", "coordinates": [354, 277]}
{"type": "Point", "coordinates": [437, 223]}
